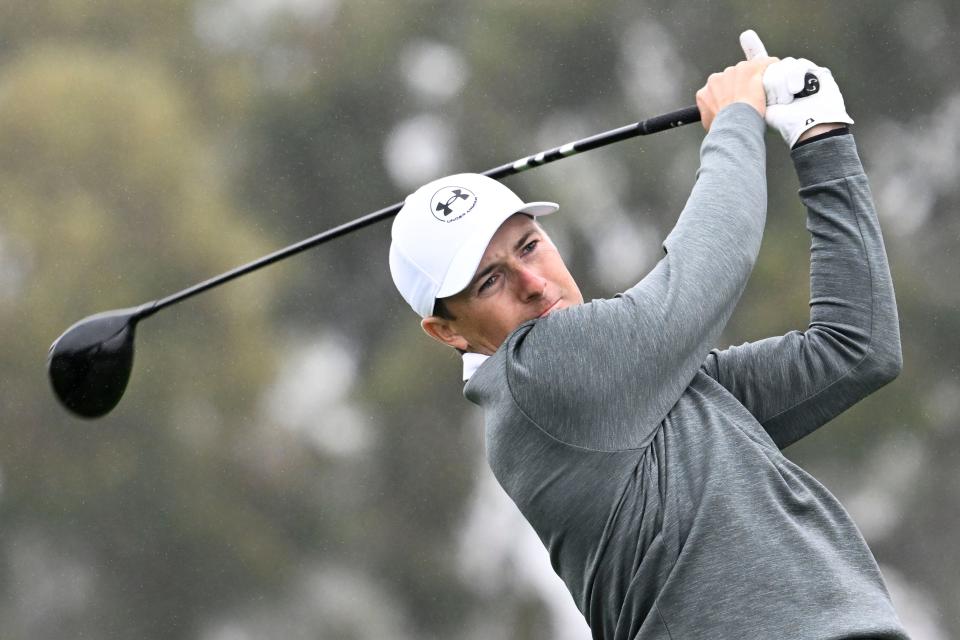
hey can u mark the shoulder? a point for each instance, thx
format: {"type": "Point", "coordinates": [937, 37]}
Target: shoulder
{"type": "Point", "coordinates": [551, 373]}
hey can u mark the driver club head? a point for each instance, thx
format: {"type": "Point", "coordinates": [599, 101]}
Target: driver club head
{"type": "Point", "coordinates": [89, 365]}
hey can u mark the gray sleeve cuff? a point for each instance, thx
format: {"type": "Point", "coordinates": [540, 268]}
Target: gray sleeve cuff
{"type": "Point", "coordinates": [739, 113]}
{"type": "Point", "coordinates": [825, 160]}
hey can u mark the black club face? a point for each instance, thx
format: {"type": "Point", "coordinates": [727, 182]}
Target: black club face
{"type": "Point", "coordinates": [90, 364]}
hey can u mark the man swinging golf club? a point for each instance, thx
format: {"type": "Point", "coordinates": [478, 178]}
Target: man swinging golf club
{"type": "Point", "coordinates": [649, 464]}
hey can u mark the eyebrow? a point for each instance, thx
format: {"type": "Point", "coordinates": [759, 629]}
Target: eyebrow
{"type": "Point", "coordinates": [490, 267]}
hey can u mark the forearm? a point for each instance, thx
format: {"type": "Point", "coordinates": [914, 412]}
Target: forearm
{"type": "Point", "coordinates": [687, 300]}
{"type": "Point", "coordinates": [725, 214]}
{"type": "Point", "coordinates": [850, 282]}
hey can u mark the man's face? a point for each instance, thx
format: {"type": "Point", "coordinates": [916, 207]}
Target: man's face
{"type": "Point", "coordinates": [521, 276]}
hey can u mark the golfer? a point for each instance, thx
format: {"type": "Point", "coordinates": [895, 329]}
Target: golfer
{"type": "Point", "coordinates": [649, 463]}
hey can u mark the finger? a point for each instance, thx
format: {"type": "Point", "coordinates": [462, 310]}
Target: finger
{"type": "Point", "coordinates": [797, 80]}
{"type": "Point", "coordinates": [706, 113]}
{"type": "Point", "coordinates": [751, 45]}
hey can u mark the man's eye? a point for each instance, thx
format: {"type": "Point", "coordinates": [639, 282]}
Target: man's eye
{"type": "Point", "coordinates": [487, 283]}
{"type": "Point", "coordinates": [530, 246]}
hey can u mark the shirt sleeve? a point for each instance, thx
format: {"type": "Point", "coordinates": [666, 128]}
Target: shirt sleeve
{"type": "Point", "coordinates": [604, 374]}
{"type": "Point", "coordinates": [795, 383]}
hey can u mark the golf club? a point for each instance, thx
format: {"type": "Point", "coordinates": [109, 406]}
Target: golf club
{"type": "Point", "coordinates": [89, 365]}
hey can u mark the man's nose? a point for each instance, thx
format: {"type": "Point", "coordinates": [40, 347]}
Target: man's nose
{"type": "Point", "coordinates": [531, 285]}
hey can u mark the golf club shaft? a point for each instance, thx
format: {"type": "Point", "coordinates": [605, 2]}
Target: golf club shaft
{"type": "Point", "coordinates": [645, 127]}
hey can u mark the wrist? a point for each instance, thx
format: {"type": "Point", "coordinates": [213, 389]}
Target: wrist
{"type": "Point", "coordinates": [816, 163]}
{"type": "Point", "coordinates": [818, 129]}
{"type": "Point", "coordinates": [830, 133]}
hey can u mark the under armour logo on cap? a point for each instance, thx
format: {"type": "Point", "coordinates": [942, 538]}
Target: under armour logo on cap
{"type": "Point", "coordinates": [445, 206]}
{"type": "Point", "coordinates": [452, 203]}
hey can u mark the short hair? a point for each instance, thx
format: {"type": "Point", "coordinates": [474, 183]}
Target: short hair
{"type": "Point", "coordinates": [441, 310]}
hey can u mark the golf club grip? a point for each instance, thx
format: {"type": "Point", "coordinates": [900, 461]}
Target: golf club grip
{"type": "Point", "coordinates": [672, 120]}
{"type": "Point", "coordinates": [655, 124]}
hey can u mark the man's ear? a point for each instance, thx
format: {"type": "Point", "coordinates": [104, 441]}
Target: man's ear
{"type": "Point", "coordinates": [441, 330]}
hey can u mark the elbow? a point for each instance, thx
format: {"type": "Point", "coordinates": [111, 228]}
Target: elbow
{"type": "Point", "coordinates": [893, 364]}
{"type": "Point", "coordinates": [886, 369]}
{"type": "Point", "coordinates": [884, 362]}
{"type": "Point", "coordinates": [875, 359]}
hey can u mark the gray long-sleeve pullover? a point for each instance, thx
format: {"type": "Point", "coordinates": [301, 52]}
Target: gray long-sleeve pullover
{"type": "Point", "coordinates": [650, 466]}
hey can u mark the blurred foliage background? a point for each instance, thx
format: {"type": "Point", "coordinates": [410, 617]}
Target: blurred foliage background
{"type": "Point", "coordinates": [293, 458]}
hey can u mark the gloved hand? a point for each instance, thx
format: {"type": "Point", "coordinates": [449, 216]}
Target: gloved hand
{"type": "Point", "coordinates": [792, 116]}
{"type": "Point", "coordinates": [784, 79]}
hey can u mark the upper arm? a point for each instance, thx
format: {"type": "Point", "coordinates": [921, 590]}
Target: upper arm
{"type": "Point", "coordinates": [795, 383]}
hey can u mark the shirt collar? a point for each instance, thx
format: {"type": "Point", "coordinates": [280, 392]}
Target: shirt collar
{"type": "Point", "coordinates": [472, 362]}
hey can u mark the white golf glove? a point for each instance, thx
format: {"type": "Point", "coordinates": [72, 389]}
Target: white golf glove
{"type": "Point", "coordinates": [792, 116]}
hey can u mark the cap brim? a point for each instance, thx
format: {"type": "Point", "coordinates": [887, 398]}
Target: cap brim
{"type": "Point", "coordinates": [465, 263]}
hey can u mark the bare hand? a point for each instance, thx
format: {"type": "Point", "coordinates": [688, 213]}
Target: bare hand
{"type": "Point", "coordinates": [740, 83]}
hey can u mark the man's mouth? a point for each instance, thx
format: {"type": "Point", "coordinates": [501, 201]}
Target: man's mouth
{"type": "Point", "coordinates": [547, 311]}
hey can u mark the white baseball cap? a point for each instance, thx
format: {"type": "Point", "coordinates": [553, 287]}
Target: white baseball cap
{"type": "Point", "coordinates": [442, 231]}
